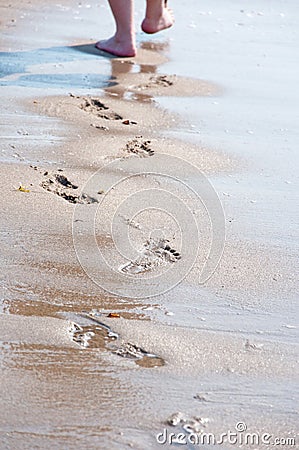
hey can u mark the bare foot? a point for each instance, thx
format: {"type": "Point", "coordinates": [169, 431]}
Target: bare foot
{"type": "Point", "coordinates": [117, 47]}
{"type": "Point", "coordinates": [156, 23]}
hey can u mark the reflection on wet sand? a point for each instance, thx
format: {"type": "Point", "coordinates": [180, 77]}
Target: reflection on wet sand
{"type": "Point", "coordinates": [120, 71]}
{"type": "Point", "coordinates": [141, 81]}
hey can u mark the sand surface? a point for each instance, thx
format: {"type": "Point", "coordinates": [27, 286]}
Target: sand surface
{"type": "Point", "coordinates": [149, 227]}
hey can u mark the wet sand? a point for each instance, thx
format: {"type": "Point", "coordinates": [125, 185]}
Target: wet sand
{"type": "Point", "coordinates": [145, 268]}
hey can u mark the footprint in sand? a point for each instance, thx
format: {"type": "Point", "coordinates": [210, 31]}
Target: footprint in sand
{"type": "Point", "coordinates": [141, 357]}
{"type": "Point", "coordinates": [98, 109]}
{"type": "Point", "coordinates": [96, 334]}
{"type": "Point", "coordinates": [139, 147]}
{"type": "Point", "coordinates": [59, 184]}
{"type": "Point", "coordinates": [159, 81]}
{"type": "Point", "coordinates": [154, 253]}
{"type": "Point", "coordinates": [188, 424]}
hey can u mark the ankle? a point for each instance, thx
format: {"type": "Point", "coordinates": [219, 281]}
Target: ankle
{"type": "Point", "coordinates": [124, 37]}
{"type": "Point", "coordinates": [154, 12]}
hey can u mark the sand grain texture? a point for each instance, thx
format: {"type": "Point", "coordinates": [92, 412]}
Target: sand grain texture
{"type": "Point", "coordinates": [227, 348]}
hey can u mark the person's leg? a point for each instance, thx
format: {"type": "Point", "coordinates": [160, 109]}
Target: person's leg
{"type": "Point", "coordinates": [157, 16]}
{"type": "Point", "coordinates": [123, 42]}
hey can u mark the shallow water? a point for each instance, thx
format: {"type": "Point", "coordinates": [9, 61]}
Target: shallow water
{"type": "Point", "coordinates": [255, 118]}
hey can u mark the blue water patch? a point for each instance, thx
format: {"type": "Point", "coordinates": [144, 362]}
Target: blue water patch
{"type": "Point", "coordinates": [71, 80]}
{"type": "Point", "coordinates": [17, 63]}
